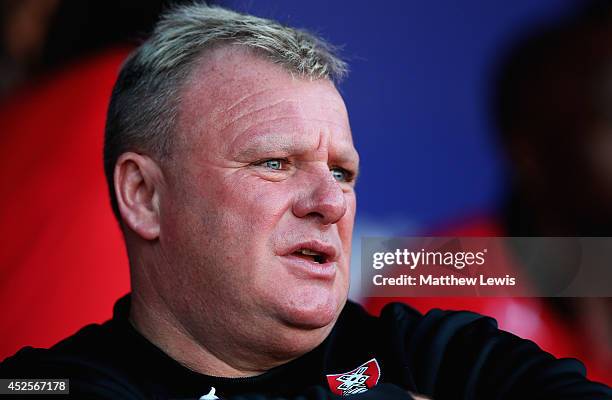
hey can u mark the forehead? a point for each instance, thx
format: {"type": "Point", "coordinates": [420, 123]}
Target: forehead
{"type": "Point", "coordinates": [233, 94]}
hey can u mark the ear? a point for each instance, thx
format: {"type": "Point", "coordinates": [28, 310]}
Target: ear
{"type": "Point", "coordinates": [138, 180]}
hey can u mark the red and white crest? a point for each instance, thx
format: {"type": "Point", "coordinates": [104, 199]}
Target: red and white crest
{"type": "Point", "coordinates": [359, 380]}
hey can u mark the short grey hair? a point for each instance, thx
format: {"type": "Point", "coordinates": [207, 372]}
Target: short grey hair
{"type": "Point", "coordinates": [146, 97]}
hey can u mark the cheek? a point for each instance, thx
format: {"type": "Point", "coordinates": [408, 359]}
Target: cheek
{"type": "Point", "coordinates": [240, 212]}
{"type": "Point", "coordinates": [221, 232]}
{"type": "Point", "coordinates": [261, 200]}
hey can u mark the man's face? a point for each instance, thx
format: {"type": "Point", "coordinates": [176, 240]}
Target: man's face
{"type": "Point", "coordinates": [258, 210]}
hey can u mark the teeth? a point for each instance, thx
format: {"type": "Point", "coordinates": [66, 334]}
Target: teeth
{"type": "Point", "coordinates": [308, 252]}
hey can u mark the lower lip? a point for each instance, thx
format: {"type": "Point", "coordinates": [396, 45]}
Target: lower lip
{"type": "Point", "coordinates": [309, 269]}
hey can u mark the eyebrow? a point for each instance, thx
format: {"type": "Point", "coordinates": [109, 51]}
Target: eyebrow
{"type": "Point", "coordinates": [269, 142]}
{"type": "Point", "coordinates": [281, 144]}
{"type": "Point", "coordinates": [348, 156]}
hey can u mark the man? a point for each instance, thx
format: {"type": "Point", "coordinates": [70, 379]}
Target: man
{"type": "Point", "coordinates": [231, 170]}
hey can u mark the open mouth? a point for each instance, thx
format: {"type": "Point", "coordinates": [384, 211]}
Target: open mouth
{"type": "Point", "coordinates": [310, 255]}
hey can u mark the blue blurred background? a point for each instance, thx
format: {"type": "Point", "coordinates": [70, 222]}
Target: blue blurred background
{"type": "Point", "coordinates": [418, 96]}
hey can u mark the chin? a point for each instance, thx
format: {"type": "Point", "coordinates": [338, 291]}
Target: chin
{"type": "Point", "coordinates": [312, 308]}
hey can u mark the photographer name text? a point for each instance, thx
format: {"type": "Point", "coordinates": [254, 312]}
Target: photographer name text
{"type": "Point", "coordinates": [455, 260]}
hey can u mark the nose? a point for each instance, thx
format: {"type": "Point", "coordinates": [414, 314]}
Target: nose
{"type": "Point", "coordinates": [322, 198]}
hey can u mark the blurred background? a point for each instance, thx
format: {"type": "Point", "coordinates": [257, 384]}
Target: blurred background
{"type": "Point", "coordinates": [479, 117]}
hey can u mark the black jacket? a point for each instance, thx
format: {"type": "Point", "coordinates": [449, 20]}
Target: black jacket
{"type": "Point", "coordinates": [442, 354]}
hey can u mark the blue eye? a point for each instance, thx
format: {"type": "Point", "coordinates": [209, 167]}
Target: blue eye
{"type": "Point", "coordinates": [275, 164]}
{"type": "Point", "coordinates": [340, 174]}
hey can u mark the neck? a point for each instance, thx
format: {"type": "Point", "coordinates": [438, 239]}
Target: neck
{"type": "Point", "coordinates": [163, 330]}
{"type": "Point", "coordinates": [186, 324]}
